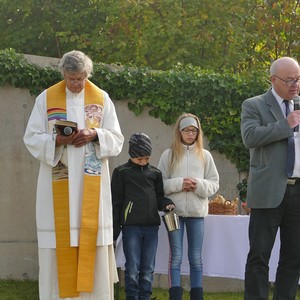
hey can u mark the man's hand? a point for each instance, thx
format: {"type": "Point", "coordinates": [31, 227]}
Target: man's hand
{"type": "Point", "coordinates": [79, 138]}
{"type": "Point", "coordinates": [294, 118]}
{"type": "Point", "coordinates": [65, 139]}
{"type": "Point", "coordinates": [83, 137]}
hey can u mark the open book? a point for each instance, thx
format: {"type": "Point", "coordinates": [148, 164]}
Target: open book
{"type": "Point", "coordinates": [65, 127]}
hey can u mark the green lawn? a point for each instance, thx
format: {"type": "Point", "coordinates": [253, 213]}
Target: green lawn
{"type": "Point", "coordinates": [28, 290]}
{"type": "Point", "coordinates": [18, 290]}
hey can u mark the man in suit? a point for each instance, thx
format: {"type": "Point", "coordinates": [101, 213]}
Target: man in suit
{"type": "Point", "coordinates": [273, 194]}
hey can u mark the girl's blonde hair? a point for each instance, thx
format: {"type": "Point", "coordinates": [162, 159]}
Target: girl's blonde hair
{"type": "Point", "coordinates": [177, 149]}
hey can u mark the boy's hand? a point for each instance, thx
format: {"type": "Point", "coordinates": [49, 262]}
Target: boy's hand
{"type": "Point", "coordinates": [170, 207]}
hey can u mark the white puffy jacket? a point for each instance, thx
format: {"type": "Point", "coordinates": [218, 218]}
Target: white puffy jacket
{"type": "Point", "coordinates": [190, 204]}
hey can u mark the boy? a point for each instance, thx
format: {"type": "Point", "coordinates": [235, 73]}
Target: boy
{"type": "Point", "coordinates": [137, 195]}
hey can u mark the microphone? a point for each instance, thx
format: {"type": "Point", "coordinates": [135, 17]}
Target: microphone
{"type": "Point", "coordinates": [67, 130]}
{"type": "Point", "coordinates": [296, 107]}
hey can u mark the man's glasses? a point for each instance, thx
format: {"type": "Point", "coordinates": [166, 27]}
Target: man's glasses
{"type": "Point", "coordinates": [75, 80]}
{"type": "Point", "coordinates": [290, 82]}
{"type": "Point", "coordinates": [192, 131]}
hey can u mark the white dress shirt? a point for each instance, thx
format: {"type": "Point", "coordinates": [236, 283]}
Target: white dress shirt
{"type": "Point", "coordinates": [280, 100]}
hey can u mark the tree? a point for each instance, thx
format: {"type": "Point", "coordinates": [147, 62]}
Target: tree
{"type": "Point", "coordinates": [49, 28]}
{"type": "Point", "coordinates": [237, 35]}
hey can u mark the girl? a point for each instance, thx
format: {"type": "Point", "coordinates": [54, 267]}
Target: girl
{"type": "Point", "coordinates": [190, 177]}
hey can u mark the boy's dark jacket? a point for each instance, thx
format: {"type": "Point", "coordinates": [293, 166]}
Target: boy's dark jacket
{"type": "Point", "coordinates": [137, 196]}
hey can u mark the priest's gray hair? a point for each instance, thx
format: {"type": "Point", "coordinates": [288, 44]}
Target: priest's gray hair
{"type": "Point", "coordinates": [76, 62]}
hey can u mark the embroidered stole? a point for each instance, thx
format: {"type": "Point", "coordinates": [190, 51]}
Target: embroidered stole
{"type": "Point", "coordinates": [76, 265]}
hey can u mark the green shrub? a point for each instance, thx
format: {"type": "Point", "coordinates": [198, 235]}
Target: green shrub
{"type": "Point", "coordinates": [215, 97]}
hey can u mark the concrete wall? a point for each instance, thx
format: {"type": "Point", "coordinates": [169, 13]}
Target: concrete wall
{"type": "Point", "coordinates": [17, 188]}
{"type": "Point", "coordinates": [18, 247]}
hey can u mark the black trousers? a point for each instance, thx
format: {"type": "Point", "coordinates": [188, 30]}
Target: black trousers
{"type": "Point", "coordinates": [263, 227]}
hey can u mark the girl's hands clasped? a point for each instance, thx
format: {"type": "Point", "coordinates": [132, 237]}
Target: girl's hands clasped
{"type": "Point", "coordinates": [189, 185]}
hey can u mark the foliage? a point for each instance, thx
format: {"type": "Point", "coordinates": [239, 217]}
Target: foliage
{"type": "Point", "coordinates": [242, 188]}
{"type": "Point", "coordinates": [16, 71]}
{"type": "Point", "coordinates": [216, 98]}
{"type": "Point", "coordinates": [239, 35]}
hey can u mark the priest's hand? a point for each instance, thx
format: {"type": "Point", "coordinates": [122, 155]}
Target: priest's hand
{"type": "Point", "coordinates": [83, 137]}
{"type": "Point", "coordinates": [65, 139]}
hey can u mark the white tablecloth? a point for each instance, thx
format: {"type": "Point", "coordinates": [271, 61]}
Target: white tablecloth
{"type": "Point", "coordinates": [225, 249]}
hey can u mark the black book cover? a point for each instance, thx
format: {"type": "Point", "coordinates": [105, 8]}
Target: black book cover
{"type": "Point", "coordinates": [65, 127]}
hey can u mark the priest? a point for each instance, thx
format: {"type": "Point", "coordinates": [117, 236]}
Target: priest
{"type": "Point", "coordinates": [73, 205]}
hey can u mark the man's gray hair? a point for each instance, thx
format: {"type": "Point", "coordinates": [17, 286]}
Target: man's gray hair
{"type": "Point", "coordinates": [76, 62]}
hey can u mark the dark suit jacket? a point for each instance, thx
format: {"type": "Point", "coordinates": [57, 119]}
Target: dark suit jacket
{"type": "Point", "coordinates": [264, 131]}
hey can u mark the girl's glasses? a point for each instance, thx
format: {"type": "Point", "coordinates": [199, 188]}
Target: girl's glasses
{"type": "Point", "coordinates": [188, 131]}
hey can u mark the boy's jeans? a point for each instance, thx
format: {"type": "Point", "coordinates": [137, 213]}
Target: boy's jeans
{"type": "Point", "coordinates": [139, 246]}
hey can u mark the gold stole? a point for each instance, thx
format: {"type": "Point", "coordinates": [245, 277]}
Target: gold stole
{"type": "Point", "coordinates": [75, 265]}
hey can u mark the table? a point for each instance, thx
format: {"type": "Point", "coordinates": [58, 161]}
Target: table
{"type": "Point", "coordinates": [225, 249]}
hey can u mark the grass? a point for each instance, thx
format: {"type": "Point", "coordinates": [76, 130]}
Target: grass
{"type": "Point", "coordinates": [28, 290]}
{"type": "Point", "coordinates": [18, 290]}
{"type": "Point", "coordinates": [164, 295]}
